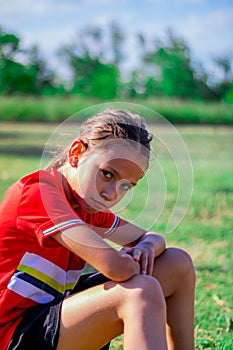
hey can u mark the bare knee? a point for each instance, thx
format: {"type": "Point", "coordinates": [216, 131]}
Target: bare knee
{"type": "Point", "coordinates": [143, 293]}
{"type": "Point", "coordinates": [183, 265]}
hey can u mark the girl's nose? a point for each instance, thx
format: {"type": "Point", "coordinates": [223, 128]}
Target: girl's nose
{"type": "Point", "coordinates": [109, 192]}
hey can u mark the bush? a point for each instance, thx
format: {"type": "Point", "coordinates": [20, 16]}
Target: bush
{"type": "Point", "coordinates": [57, 108]}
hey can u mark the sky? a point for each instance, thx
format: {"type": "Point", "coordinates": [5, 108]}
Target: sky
{"type": "Point", "coordinates": [206, 25]}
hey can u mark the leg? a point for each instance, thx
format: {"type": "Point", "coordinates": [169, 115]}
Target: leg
{"type": "Point", "coordinates": [93, 317]}
{"type": "Point", "coordinates": [174, 270]}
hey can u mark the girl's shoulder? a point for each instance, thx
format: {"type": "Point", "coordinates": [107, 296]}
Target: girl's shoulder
{"type": "Point", "coordinates": [36, 182]}
{"type": "Point", "coordinates": [41, 176]}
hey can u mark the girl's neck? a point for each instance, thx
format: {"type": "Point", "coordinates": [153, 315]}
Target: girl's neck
{"type": "Point", "coordinates": [62, 172]}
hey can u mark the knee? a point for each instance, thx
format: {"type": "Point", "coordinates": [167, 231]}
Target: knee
{"type": "Point", "coordinates": [143, 291]}
{"type": "Point", "coordinates": [183, 265]}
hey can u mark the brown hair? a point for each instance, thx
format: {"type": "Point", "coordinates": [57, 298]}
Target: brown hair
{"type": "Point", "coordinates": [96, 132]}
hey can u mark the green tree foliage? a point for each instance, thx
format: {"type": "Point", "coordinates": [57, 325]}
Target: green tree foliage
{"type": "Point", "coordinates": [92, 74]}
{"type": "Point", "coordinates": [95, 79]}
{"type": "Point", "coordinates": [95, 58]}
{"type": "Point", "coordinates": [44, 78]}
{"type": "Point", "coordinates": [31, 77]}
{"type": "Point", "coordinates": [173, 72]}
{"type": "Point", "coordinates": [224, 87]}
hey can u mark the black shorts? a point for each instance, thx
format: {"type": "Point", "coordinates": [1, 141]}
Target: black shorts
{"type": "Point", "coordinates": [39, 328]}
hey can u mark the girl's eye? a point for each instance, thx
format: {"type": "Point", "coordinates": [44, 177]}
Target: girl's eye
{"type": "Point", "coordinates": [107, 174]}
{"type": "Point", "coordinates": [126, 186]}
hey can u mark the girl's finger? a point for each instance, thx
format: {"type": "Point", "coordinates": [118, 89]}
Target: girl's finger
{"type": "Point", "coordinates": [144, 264]}
{"type": "Point", "coordinates": [150, 265]}
{"type": "Point", "coordinates": [137, 254]}
{"type": "Point", "coordinates": [126, 250]}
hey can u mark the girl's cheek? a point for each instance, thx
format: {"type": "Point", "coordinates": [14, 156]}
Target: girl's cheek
{"type": "Point", "coordinates": [98, 184]}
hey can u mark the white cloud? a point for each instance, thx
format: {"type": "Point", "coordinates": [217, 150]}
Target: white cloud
{"type": "Point", "coordinates": [24, 14]}
{"type": "Point", "coordinates": [21, 7]}
{"type": "Point", "coordinates": [209, 33]}
{"type": "Point", "coordinates": [51, 23]}
{"type": "Point", "coordinates": [45, 7]}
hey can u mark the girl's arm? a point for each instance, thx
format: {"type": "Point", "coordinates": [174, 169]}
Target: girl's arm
{"type": "Point", "coordinates": [150, 246]}
{"type": "Point", "coordinates": [143, 246]}
{"type": "Point", "coordinates": [88, 245]}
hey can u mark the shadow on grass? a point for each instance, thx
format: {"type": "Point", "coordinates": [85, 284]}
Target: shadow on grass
{"type": "Point", "coordinates": [7, 135]}
{"type": "Point", "coordinates": [223, 190]}
{"type": "Point", "coordinates": [208, 268]}
{"type": "Point", "coordinates": [22, 150]}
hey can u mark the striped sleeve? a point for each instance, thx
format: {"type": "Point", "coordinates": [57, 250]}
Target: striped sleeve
{"type": "Point", "coordinates": [43, 209]}
{"type": "Point", "coordinates": [114, 225]}
{"type": "Point", "coordinates": [62, 226]}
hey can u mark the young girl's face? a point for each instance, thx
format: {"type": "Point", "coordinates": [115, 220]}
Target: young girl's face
{"type": "Point", "coordinates": [104, 176]}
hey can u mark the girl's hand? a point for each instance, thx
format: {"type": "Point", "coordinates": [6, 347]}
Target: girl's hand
{"type": "Point", "coordinates": [143, 253]}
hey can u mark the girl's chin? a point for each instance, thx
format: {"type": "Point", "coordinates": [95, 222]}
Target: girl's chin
{"type": "Point", "coordinates": [88, 208]}
{"type": "Point", "coordinates": [91, 210]}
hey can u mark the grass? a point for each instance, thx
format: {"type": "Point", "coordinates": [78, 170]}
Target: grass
{"type": "Point", "coordinates": [56, 109]}
{"type": "Point", "coordinates": [205, 232]}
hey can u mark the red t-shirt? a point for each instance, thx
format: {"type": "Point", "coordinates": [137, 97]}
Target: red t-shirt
{"type": "Point", "coordinates": [34, 267]}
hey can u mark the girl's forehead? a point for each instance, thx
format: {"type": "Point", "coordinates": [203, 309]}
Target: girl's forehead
{"type": "Point", "coordinates": [120, 153]}
{"type": "Point", "coordinates": [125, 147]}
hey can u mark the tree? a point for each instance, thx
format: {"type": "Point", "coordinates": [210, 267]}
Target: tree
{"type": "Point", "coordinates": [117, 39]}
{"type": "Point", "coordinates": [44, 79]}
{"type": "Point", "coordinates": [9, 45]}
{"type": "Point", "coordinates": [173, 70]}
{"type": "Point", "coordinates": [224, 88]}
{"type": "Point", "coordinates": [95, 79]}
{"type": "Point", "coordinates": [94, 72]}
{"type": "Point", "coordinates": [28, 76]}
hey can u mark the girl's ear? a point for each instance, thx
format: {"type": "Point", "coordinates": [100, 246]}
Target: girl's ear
{"type": "Point", "coordinates": [76, 149]}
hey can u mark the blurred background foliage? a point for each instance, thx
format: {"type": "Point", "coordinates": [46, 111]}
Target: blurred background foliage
{"type": "Point", "coordinates": [95, 61]}
{"type": "Point", "coordinates": [165, 68]}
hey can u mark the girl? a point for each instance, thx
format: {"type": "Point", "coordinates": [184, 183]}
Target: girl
{"type": "Point", "coordinates": [55, 220]}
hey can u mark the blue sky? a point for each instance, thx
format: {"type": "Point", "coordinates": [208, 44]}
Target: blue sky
{"type": "Point", "coordinates": [206, 25]}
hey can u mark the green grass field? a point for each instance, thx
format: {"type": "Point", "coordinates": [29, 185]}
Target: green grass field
{"type": "Point", "coordinates": [205, 232]}
{"type": "Point", "coordinates": [57, 108]}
